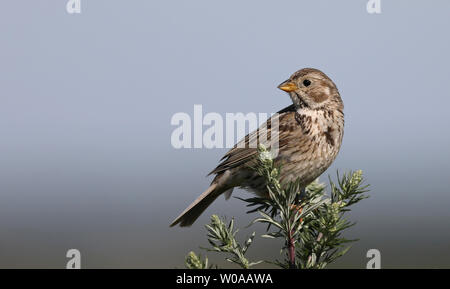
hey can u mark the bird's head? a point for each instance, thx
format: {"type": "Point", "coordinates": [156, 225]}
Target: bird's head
{"type": "Point", "coordinates": [310, 88]}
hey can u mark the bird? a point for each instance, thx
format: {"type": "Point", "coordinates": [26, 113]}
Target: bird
{"type": "Point", "coordinates": [310, 133]}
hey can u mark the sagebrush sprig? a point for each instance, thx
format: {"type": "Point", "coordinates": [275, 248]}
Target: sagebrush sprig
{"type": "Point", "coordinates": [309, 221]}
{"type": "Point", "coordinates": [322, 241]}
{"type": "Point", "coordinates": [222, 238]}
{"type": "Point", "coordinates": [287, 209]}
{"type": "Point", "coordinates": [193, 261]}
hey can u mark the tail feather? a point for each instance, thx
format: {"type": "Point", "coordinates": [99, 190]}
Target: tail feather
{"type": "Point", "coordinates": [191, 213]}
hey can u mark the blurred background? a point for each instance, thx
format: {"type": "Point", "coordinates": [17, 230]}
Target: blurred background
{"type": "Point", "coordinates": [86, 100]}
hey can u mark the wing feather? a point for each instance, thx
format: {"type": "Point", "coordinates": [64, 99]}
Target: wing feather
{"type": "Point", "coordinates": [242, 152]}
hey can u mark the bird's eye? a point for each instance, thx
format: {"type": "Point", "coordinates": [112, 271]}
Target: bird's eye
{"type": "Point", "coordinates": [306, 82]}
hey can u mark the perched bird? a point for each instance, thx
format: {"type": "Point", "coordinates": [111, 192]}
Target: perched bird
{"type": "Point", "coordinates": [310, 134]}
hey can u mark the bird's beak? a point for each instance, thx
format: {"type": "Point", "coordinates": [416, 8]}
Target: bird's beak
{"type": "Point", "coordinates": [288, 86]}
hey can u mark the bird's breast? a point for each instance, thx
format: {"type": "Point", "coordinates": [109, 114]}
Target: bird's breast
{"type": "Point", "coordinates": [310, 154]}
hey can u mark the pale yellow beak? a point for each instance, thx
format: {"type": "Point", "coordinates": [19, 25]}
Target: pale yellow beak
{"type": "Point", "coordinates": [288, 86]}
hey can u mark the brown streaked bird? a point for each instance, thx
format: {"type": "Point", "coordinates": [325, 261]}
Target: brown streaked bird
{"type": "Point", "coordinates": [310, 136]}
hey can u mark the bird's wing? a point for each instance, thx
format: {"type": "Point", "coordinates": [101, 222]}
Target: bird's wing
{"type": "Point", "coordinates": [245, 150]}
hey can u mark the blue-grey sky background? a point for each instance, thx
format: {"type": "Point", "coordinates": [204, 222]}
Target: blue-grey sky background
{"type": "Point", "coordinates": [86, 101]}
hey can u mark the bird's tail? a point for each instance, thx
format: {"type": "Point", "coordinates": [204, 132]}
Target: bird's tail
{"type": "Point", "coordinates": [191, 213]}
